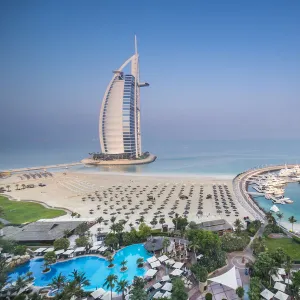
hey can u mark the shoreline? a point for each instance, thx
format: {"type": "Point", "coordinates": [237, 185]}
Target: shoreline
{"type": "Point", "coordinates": [125, 195]}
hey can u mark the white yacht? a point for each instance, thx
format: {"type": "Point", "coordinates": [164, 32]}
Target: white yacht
{"type": "Point", "coordinates": [296, 170]}
{"type": "Point", "coordinates": [285, 172]}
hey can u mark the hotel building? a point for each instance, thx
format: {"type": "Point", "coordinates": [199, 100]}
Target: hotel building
{"type": "Point", "coordinates": [120, 117]}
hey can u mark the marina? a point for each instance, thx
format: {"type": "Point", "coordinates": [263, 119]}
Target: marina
{"type": "Point", "coordinates": [272, 189]}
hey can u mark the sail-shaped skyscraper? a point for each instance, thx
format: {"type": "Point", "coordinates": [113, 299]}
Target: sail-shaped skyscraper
{"type": "Point", "coordinates": [120, 116]}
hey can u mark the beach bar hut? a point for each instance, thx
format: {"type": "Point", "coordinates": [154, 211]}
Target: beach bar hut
{"type": "Point", "coordinates": [266, 294]}
{"type": "Point", "coordinates": [69, 253]}
{"type": "Point", "coordinates": [40, 251]}
{"type": "Point", "coordinates": [58, 253]}
{"type": "Point", "coordinates": [49, 249]}
{"type": "Point", "coordinates": [79, 250]}
{"type": "Point", "coordinates": [94, 249]}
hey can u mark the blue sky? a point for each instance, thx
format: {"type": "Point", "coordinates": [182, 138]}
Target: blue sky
{"type": "Point", "coordinates": [217, 69]}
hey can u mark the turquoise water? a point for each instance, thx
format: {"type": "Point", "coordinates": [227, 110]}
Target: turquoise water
{"type": "Point", "coordinates": [214, 157]}
{"type": "Point", "coordinates": [95, 268]}
{"type": "Point", "coordinates": [292, 191]}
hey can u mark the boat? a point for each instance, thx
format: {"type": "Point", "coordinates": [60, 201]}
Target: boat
{"type": "Point", "coordinates": [285, 172]}
{"type": "Point", "coordinates": [296, 170]}
{"type": "Point", "coordinates": [278, 201]}
{"type": "Point", "coordinates": [274, 208]}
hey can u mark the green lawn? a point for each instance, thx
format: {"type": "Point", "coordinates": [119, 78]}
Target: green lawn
{"type": "Point", "coordinates": [292, 248]}
{"type": "Point", "coordinates": [23, 212]}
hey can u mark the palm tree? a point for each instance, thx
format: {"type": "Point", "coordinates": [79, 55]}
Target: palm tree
{"type": "Point", "coordinates": [162, 221]}
{"type": "Point", "coordinates": [154, 222]}
{"type": "Point", "coordinates": [140, 262]}
{"type": "Point", "coordinates": [8, 186]}
{"type": "Point", "coordinates": [110, 259]}
{"type": "Point", "coordinates": [100, 220]}
{"type": "Point", "coordinates": [123, 264]}
{"type": "Point", "coordinates": [58, 281]}
{"type": "Point", "coordinates": [193, 245]}
{"type": "Point", "coordinates": [238, 225]}
{"type": "Point", "coordinates": [292, 220]}
{"type": "Point", "coordinates": [29, 276]}
{"type": "Point", "coordinates": [166, 243]}
{"type": "Point", "coordinates": [113, 227]}
{"type": "Point", "coordinates": [121, 287]}
{"type": "Point", "coordinates": [270, 218]}
{"type": "Point", "coordinates": [113, 219]}
{"type": "Point", "coordinates": [176, 220]}
{"type": "Point", "coordinates": [20, 283]}
{"type": "Point", "coordinates": [80, 278]}
{"type": "Point", "coordinates": [142, 219]}
{"type": "Point", "coordinates": [110, 282]}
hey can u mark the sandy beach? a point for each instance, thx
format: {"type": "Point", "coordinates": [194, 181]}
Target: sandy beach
{"type": "Point", "coordinates": [131, 196]}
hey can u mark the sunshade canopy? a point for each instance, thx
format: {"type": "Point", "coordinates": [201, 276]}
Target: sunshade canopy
{"type": "Point", "coordinates": [150, 273]}
{"type": "Point", "coordinates": [266, 294]}
{"type": "Point", "coordinates": [166, 278]}
{"type": "Point", "coordinates": [163, 258]}
{"type": "Point", "coordinates": [98, 293]}
{"type": "Point", "coordinates": [279, 286]}
{"type": "Point", "coordinates": [177, 272]}
{"type": "Point", "coordinates": [281, 296]}
{"type": "Point", "coordinates": [170, 262]}
{"type": "Point", "coordinates": [167, 287]}
{"type": "Point", "coordinates": [155, 264]}
{"type": "Point", "coordinates": [151, 259]}
{"type": "Point", "coordinates": [178, 265]}
{"type": "Point", "coordinates": [228, 279]}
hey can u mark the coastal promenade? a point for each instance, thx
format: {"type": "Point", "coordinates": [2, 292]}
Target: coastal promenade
{"type": "Point", "coordinates": [240, 184]}
{"type": "Point", "coordinates": [67, 165]}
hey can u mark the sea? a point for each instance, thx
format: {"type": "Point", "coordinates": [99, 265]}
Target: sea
{"type": "Point", "coordinates": [217, 158]}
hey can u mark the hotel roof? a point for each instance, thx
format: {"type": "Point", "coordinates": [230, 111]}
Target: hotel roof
{"type": "Point", "coordinates": [40, 231]}
{"type": "Point", "coordinates": [216, 225]}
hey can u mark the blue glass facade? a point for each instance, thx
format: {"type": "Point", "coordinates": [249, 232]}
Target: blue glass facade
{"type": "Point", "coordinates": [129, 115]}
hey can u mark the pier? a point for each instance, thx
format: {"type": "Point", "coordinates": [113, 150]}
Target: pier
{"type": "Point", "coordinates": [67, 165]}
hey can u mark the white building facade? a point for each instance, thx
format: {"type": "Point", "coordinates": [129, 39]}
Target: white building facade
{"type": "Point", "coordinates": [119, 121]}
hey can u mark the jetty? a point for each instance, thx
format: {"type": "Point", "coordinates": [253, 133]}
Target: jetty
{"type": "Point", "coordinates": [57, 166]}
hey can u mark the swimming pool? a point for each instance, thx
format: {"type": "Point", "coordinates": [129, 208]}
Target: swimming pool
{"type": "Point", "coordinates": [95, 268]}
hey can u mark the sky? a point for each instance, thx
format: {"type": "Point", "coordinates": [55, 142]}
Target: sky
{"type": "Point", "coordinates": [217, 69]}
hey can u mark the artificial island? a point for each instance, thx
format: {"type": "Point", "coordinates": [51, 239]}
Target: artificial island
{"type": "Point", "coordinates": [120, 119]}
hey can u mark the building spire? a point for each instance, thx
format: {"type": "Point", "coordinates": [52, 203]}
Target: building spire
{"type": "Point", "coordinates": [135, 44]}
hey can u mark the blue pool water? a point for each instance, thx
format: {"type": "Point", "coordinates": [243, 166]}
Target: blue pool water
{"type": "Point", "coordinates": [95, 268]}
